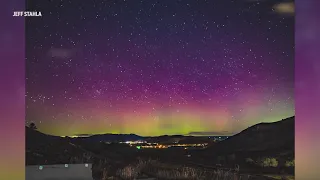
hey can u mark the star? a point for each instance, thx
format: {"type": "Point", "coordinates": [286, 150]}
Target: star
{"type": "Point", "coordinates": [201, 66]}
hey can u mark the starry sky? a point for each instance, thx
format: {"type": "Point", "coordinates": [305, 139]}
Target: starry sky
{"type": "Point", "coordinates": [154, 67]}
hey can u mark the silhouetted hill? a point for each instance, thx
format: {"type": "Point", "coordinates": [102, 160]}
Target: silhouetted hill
{"type": "Point", "coordinates": [47, 149]}
{"type": "Point", "coordinates": [264, 137]}
{"type": "Point", "coordinates": [114, 137]}
{"type": "Point", "coordinates": [35, 138]}
{"type": "Point", "coordinates": [165, 139]}
{"type": "Point", "coordinates": [194, 140]}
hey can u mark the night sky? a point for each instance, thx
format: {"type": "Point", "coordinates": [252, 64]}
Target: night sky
{"type": "Point", "coordinates": [154, 67]}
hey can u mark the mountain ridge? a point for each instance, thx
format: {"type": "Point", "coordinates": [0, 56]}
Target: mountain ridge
{"type": "Point", "coordinates": [134, 137]}
{"type": "Point", "coordinates": [260, 137]}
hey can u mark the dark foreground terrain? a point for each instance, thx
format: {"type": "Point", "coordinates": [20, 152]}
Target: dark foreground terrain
{"type": "Point", "coordinates": [263, 151]}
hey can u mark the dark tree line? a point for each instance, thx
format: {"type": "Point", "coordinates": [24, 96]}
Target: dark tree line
{"type": "Point", "coordinates": [33, 126]}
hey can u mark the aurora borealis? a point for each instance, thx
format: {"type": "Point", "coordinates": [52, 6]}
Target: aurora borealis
{"type": "Point", "coordinates": [156, 67]}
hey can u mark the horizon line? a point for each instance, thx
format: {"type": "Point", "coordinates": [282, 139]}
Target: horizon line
{"type": "Point", "coordinates": [188, 134]}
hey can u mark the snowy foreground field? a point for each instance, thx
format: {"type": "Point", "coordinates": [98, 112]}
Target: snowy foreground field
{"type": "Point", "coordinates": [59, 172]}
